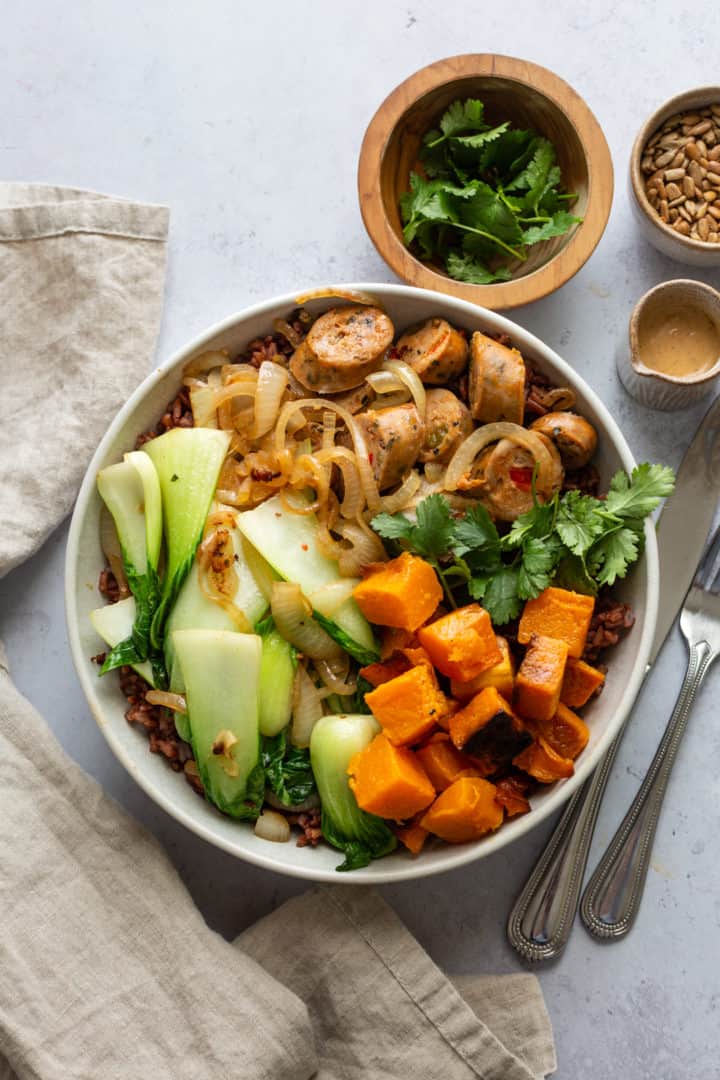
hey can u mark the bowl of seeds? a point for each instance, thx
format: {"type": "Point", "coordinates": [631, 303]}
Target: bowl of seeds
{"type": "Point", "coordinates": [675, 177]}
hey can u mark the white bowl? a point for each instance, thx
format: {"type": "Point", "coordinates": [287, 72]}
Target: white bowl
{"type": "Point", "coordinates": [84, 562]}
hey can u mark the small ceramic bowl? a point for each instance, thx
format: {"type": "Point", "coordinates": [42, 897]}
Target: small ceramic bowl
{"type": "Point", "coordinates": [661, 235]}
{"type": "Point", "coordinates": [656, 389]}
{"type": "Point", "coordinates": [529, 96]}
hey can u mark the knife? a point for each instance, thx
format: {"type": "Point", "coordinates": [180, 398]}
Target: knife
{"type": "Point", "coordinates": [541, 919]}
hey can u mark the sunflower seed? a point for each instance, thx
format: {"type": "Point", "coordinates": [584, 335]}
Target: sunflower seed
{"type": "Point", "coordinates": [701, 128]}
{"type": "Point", "coordinates": [682, 227]}
{"type": "Point", "coordinates": [703, 229]}
{"type": "Point", "coordinates": [688, 186]}
{"type": "Point", "coordinates": [664, 159]}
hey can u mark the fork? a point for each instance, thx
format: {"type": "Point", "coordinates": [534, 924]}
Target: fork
{"type": "Point", "coordinates": [612, 898]}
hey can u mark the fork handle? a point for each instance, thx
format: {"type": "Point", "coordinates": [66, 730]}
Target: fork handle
{"type": "Point", "coordinates": [541, 919]}
{"type": "Point", "coordinates": [613, 895]}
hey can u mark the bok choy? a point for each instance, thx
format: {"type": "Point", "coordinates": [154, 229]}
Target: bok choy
{"type": "Point", "coordinates": [359, 835]}
{"type": "Point", "coordinates": [188, 462]}
{"type": "Point", "coordinates": [221, 671]}
{"type": "Point", "coordinates": [131, 492]}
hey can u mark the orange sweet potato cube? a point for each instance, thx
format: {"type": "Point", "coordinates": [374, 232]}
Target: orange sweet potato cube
{"type": "Point", "coordinates": [389, 780]}
{"type": "Point", "coordinates": [403, 592]}
{"type": "Point", "coordinates": [558, 613]}
{"type": "Point", "coordinates": [464, 811]}
{"type": "Point", "coordinates": [540, 678]}
{"type": "Point", "coordinates": [462, 643]}
{"type": "Point", "coordinates": [488, 732]}
{"type": "Point", "coordinates": [501, 676]}
{"type": "Point", "coordinates": [543, 763]}
{"type": "Point", "coordinates": [413, 836]}
{"type": "Point", "coordinates": [408, 706]}
{"type": "Point", "coordinates": [444, 763]}
{"type": "Point", "coordinates": [511, 795]}
{"type": "Point", "coordinates": [580, 683]}
{"type": "Point", "coordinates": [565, 732]}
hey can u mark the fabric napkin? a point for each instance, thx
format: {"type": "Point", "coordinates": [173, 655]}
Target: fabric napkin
{"type": "Point", "coordinates": [107, 970]}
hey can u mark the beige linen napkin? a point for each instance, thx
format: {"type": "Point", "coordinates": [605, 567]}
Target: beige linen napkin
{"type": "Point", "coordinates": [107, 970]}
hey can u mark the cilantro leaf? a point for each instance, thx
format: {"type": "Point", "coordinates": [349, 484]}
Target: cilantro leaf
{"type": "Point", "coordinates": [571, 573]}
{"type": "Point", "coordinates": [540, 557]}
{"type": "Point", "coordinates": [535, 174]}
{"type": "Point", "coordinates": [434, 528]}
{"type": "Point", "coordinates": [393, 526]}
{"type": "Point", "coordinates": [612, 554]}
{"type": "Point", "coordinates": [469, 268]}
{"type": "Point", "coordinates": [486, 212]}
{"type": "Point", "coordinates": [476, 529]}
{"type": "Point", "coordinates": [429, 536]}
{"type": "Point", "coordinates": [637, 495]}
{"type": "Point", "coordinates": [482, 138]}
{"type": "Point", "coordinates": [535, 523]}
{"type": "Point", "coordinates": [463, 116]}
{"type": "Point", "coordinates": [578, 523]}
{"type": "Point", "coordinates": [500, 598]}
{"type": "Point", "coordinates": [558, 224]}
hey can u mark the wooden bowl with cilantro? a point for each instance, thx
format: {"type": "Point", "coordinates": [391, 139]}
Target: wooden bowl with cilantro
{"type": "Point", "coordinates": [487, 178]}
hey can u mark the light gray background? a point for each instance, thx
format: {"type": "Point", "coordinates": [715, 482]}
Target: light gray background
{"type": "Point", "coordinates": [247, 120]}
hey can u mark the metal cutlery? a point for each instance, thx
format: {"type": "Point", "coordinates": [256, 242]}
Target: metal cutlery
{"type": "Point", "coordinates": [612, 898]}
{"type": "Point", "coordinates": [541, 919]}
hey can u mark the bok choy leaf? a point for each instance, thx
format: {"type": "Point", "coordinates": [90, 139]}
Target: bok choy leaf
{"type": "Point", "coordinates": [188, 462]}
{"type": "Point", "coordinates": [131, 492]}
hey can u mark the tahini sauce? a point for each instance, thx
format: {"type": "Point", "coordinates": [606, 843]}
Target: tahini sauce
{"type": "Point", "coordinates": [679, 341]}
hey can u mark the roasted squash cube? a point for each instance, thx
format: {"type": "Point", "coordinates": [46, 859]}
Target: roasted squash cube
{"type": "Point", "coordinates": [444, 763]}
{"type": "Point", "coordinates": [413, 836]}
{"type": "Point", "coordinates": [408, 706]}
{"type": "Point", "coordinates": [565, 732]}
{"type": "Point", "coordinates": [501, 676]}
{"type": "Point", "coordinates": [558, 613]}
{"type": "Point", "coordinates": [488, 732]}
{"type": "Point", "coordinates": [543, 763]}
{"type": "Point", "coordinates": [464, 811]}
{"type": "Point", "coordinates": [540, 678]}
{"type": "Point", "coordinates": [510, 794]}
{"type": "Point", "coordinates": [389, 780]}
{"type": "Point", "coordinates": [403, 592]}
{"type": "Point", "coordinates": [580, 683]}
{"type": "Point", "coordinates": [385, 670]}
{"type": "Point", "coordinates": [461, 644]}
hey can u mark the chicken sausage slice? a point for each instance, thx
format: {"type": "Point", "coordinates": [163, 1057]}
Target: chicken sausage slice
{"type": "Point", "coordinates": [502, 479]}
{"type": "Point", "coordinates": [447, 424]}
{"type": "Point", "coordinates": [496, 386]}
{"type": "Point", "coordinates": [342, 347]}
{"type": "Point", "coordinates": [573, 435]}
{"type": "Point", "coordinates": [394, 438]}
{"type": "Point", "coordinates": [435, 350]}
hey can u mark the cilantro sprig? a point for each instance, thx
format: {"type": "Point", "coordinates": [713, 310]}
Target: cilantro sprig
{"type": "Point", "coordinates": [575, 540]}
{"type": "Point", "coordinates": [488, 194]}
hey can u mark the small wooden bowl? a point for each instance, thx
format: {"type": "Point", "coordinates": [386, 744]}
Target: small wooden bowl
{"type": "Point", "coordinates": [529, 96]}
{"type": "Point", "coordinates": [684, 249]}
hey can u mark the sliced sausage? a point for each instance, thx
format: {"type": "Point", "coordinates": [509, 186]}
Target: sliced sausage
{"type": "Point", "coordinates": [497, 381]}
{"type": "Point", "coordinates": [394, 438]}
{"type": "Point", "coordinates": [435, 350]}
{"type": "Point", "coordinates": [573, 435]}
{"type": "Point", "coordinates": [357, 399]}
{"type": "Point", "coordinates": [342, 347]}
{"type": "Point", "coordinates": [503, 479]}
{"type": "Point", "coordinates": [447, 423]}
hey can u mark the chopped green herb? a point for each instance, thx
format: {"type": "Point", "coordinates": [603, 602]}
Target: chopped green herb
{"type": "Point", "coordinates": [575, 541]}
{"type": "Point", "coordinates": [488, 193]}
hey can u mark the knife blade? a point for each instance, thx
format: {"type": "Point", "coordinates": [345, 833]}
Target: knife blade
{"type": "Point", "coordinates": [685, 521]}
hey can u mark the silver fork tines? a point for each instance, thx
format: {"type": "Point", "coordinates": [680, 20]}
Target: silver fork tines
{"type": "Point", "coordinates": [612, 898]}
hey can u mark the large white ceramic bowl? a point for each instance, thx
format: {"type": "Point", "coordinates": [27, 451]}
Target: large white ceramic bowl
{"type": "Point", "coordinates": [404, 305]}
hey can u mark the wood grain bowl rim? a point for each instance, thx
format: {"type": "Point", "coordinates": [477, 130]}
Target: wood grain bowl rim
{"type": "Point", "coordinates": [560, 267]}
{"type": "Point", "coordinates": [698, 98]}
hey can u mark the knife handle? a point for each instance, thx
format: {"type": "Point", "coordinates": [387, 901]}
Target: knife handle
{"type": "Point", "coordinates": [614, 892]}
{"type": "Point", "coordinates": [541, 919]}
